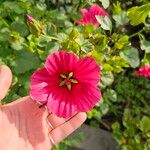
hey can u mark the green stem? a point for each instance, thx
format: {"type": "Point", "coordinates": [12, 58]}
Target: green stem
{"type": "Point", "coordinates": [145, 103]}
{"type": "Point", "coordinates": [51, 37]}
{"type": "Point", "coordinates": [137, 33]}
{"type": "Point", "coordinates": [4, 22]}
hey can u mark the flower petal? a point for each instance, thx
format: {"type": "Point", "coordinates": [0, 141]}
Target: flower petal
{"type": "Point", "coordinates": [39, 84]}
{"type": "Point", "coordinates": [60, 103]}
{"type": "Point", "coordinates": [143, 71]}
{"type": "Point", "coordinates": [88, 71]}
{"type": "Point", "coordinates": [88, 16]}
{"type": "Point", "coordinates": [88, 100]}
{"type": "Point", "coordinates": [97, 10]}
{"type": "Point", "coordinates": [61, 62]}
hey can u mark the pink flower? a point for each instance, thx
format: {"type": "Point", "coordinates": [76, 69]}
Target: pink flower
{"type": "Point", "coordinates": [67, 84]}
{"type": "Point", "coordinates": [89, 16]}
{"type": "Point", "coordinates": [143, 71]}
{"type": "Point", "coordinates": [29, 18]}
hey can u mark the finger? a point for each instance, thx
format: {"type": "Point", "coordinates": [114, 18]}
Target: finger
{"type": "Point", "coordinates": [55, 121]}
{"type": "Point", "coordinates": [61, 132]}
{"type": "Point", "coordinates": [5, 80]}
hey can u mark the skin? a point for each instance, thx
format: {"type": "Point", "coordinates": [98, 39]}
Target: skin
{"type": "Point", "coordinates": [25, 126]}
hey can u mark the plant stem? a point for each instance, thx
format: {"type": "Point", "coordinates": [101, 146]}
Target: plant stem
{"type": "Point", "coordinates": [4, 22]}
{"type": "Point", "coordinates": [51, 37]}
{"type": "Point", "coordinates": [135, 34]}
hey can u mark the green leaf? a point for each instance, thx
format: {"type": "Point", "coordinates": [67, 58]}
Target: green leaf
{"type": "Point", "coordinates": [88, 30]}
{"type": "Point", "coordinates": [4, 34]}
{"type": "Point", "coordinates": [107, 67]}
{"type": "Point", "coordinates": [100, 42]}
{"type": "Point", "coordinates": [105, 3]}
{"type": "Point", "coordinates": [62, 36]}
{"type": "Point", "coordinates": [104, 107]}
{"type": "Point", "coordinates": [1, 62]}
{"type": "Point", "coordinates": [146, 59]}
{"type": "Point", "coordinates": [105, 22]}
{"type": "Point", "coordinates": [25, 61]}
{"type": "Point", "coordinates": [86, 46]}
{"type": "Point", "coordinates": [13, 6]}
{"type": "Point", "coordinates": [21, 28]}
{"type": "Point", "coordinates": [24, 79]}
{"type": "Point", "coordinates": [74, 34]}
{"type": "Point", "coordinates": [121, 19]}
{"type": "Point", "coordinates": [52, 46]}
{"type": "Point", "coordinates": [138, 14]}
{"type": "Point", "coordinates": [98, 56]}
{"type": "Point", "coordinates": [145, 45]}
{"type": "Point", "coordinates": [122, 42]}
{"type": "Point", "coordinates": [127, 114]}
{"type": "Point", "coordinates": [110, 94]}
{"type": "Point", "coordinates": [131, 55]}
{"type": "Point", "coordinates": [117, 8]}
{"type": "Point", "coordinates": [94, 114]}
{"type": "Point", "coordinates": [16, 45]}
{"type": "Point", "coordinates": [44, 40]}
{"type": "Point", "coordinates": [145, 124]}
{"type": "Point", "coordinates": [107, 79]}
{"type": "Point", "coordinates": [71, 45]}
{"type": "Point", "coordinates": [36, 28]}
{"type": "Point", "coordinates": [116, 126]}
{"type": "Point", "coordinates": [117, 63]}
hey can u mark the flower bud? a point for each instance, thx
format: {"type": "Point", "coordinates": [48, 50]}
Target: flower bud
{"type": "Point", "coordinates": [36, 27]}
{"type": "Point", "coordinates": [29, 19]}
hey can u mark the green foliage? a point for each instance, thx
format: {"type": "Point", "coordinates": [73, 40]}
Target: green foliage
{"type": "Point", "coordinates": [133, 130]}
{"type": "Point", "coordinates": [105, 3]}
{"type": "Point", "coordinates": [145, 124]}
{"type": "Point", "coordinates": [145, 45]}
{"type": "Point", "coordinates": [105, 22]}
{"type": "Point", "coordinates": [140, 12]}
{"type": "Point", "coordinates": [120, 45]}
{"type": "Point", "coordinates": [25, 61]}
{"type": "Point", "coordinates": [131, 56]}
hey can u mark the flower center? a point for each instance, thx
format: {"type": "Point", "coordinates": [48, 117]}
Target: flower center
{"type": "Point", "coordinates": [67, 80]}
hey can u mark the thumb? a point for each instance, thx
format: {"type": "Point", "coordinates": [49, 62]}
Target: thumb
{"type": "Point", "coordinates": [5, 80]}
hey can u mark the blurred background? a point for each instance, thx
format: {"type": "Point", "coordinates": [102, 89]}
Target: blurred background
{"type": "Point", "coordinates": [121, 46]}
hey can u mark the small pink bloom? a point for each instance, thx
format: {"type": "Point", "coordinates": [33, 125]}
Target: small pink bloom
{"type": "Point", "coordinates": [67, 84]}
{"type": "Point", "coordinates": [89, 16]}
{"type": "Point", "coordinates": [143, 71]}
{"type": "Point", "coordinates": [29, 18]}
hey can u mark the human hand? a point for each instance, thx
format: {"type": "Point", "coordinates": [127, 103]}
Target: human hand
{"type": "Point", "coordinates": [25, 126]}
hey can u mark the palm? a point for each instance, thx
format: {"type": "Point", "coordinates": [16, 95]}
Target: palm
{"type": "Point", "coordinates": [23, 125]}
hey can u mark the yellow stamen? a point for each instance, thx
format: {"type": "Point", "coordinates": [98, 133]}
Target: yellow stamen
{"type": "Point", "coordinates": [63, 76]}
{"type": "Point", "coordinates": [62, 83]}
{"type": "Point", "coordinates": [69, 86]}
{"type": "Point", "coordinates": [74, 81]}
{"type": "Point", "coordinates": [70, 75]}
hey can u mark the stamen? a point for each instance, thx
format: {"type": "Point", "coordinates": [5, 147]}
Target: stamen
{"type": "Point", "coordinates": [63, 76]}
{"type": "Point", "coordinates": [70, 75]}
{"type": "Point", "coordinates": [68, 80]}
{"type": "Point", "coordinates": [74, 81]}
{"type": "Point", "coordinates": [69, 86]}
{"type": "Point", "coordinates": [62, 83]}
